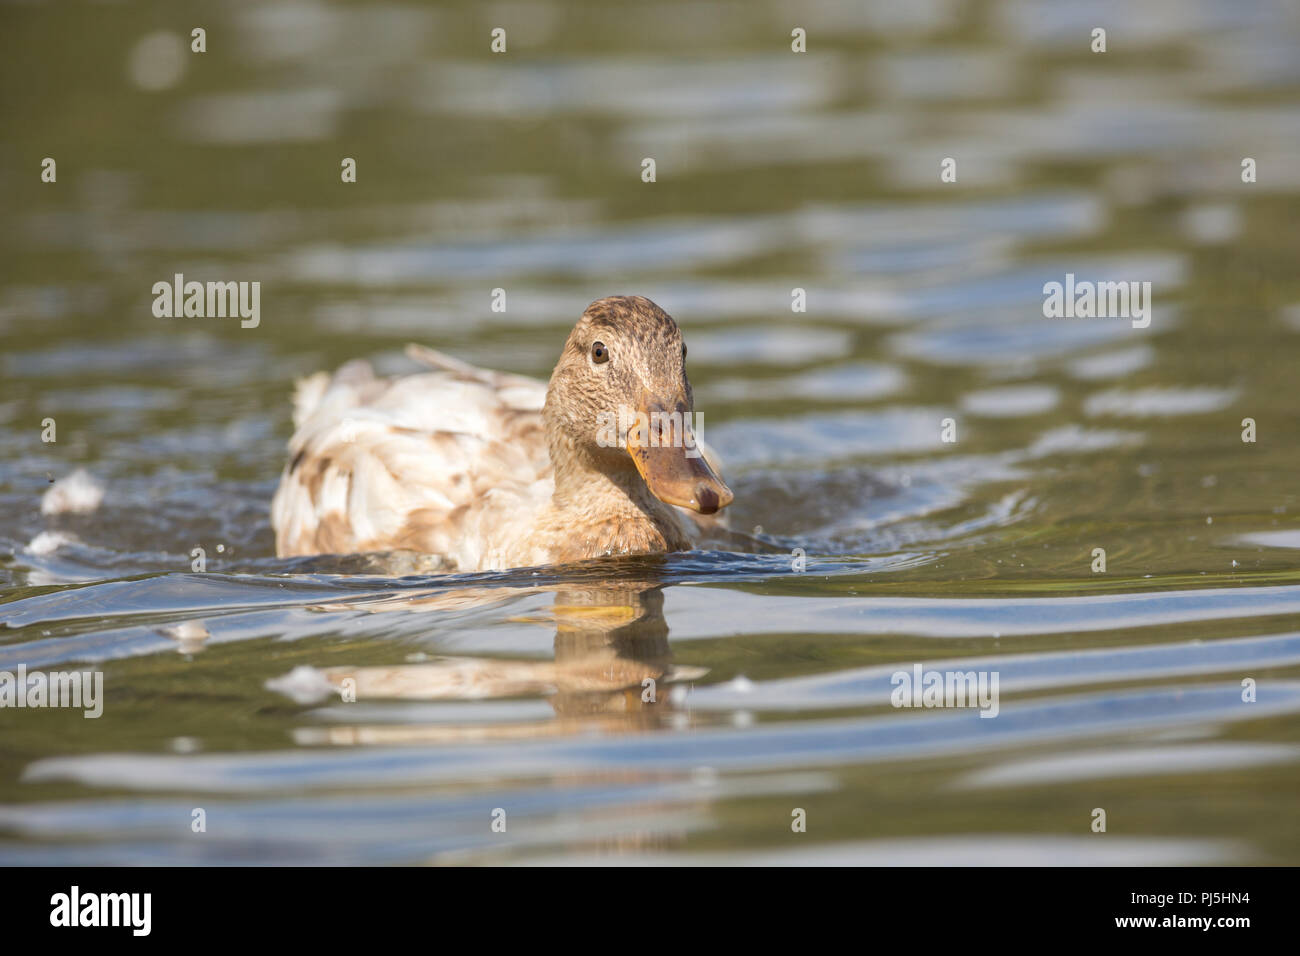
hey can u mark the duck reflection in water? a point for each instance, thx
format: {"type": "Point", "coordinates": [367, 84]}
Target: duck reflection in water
{"type": "Point", "coordinates": [612, 671]}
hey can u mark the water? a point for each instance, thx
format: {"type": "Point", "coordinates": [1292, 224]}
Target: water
{"type": "Point", "coordinates": [522, 691]}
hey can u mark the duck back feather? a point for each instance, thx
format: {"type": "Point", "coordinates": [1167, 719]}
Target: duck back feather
{"type": "Point", "coordinates": [423, 462]}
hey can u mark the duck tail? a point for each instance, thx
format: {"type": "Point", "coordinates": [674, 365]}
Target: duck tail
{"type": "Point", "coordinates": [464, 370]}
{"type": "Point", "coordinates": [307, 393]}
{"type": "Point", "coordinates": [441, 360]}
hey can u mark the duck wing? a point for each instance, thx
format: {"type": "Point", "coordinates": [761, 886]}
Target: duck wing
{"type": "Point", "coordinates": [427, 462]}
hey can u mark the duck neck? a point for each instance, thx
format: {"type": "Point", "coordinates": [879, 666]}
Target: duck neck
{"type": "Point", "coordinates": [608, 492]}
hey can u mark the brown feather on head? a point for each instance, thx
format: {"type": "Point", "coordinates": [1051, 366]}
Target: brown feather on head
{"type": "Point", "coordinates": [625, 363]}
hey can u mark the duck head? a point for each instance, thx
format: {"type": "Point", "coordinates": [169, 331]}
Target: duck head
{"type": "Point", "coordinates": [619, 402]}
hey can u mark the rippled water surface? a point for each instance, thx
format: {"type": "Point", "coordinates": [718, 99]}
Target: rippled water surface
{"type": "Point", "coordinates": [522, 691]}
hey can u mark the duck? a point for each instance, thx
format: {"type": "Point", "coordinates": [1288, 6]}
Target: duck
{"type": "Point", "coordinates": [482, 470]}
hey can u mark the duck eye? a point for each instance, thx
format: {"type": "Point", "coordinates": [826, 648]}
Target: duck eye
{"type": "Point", "coordinates": [599, 354]}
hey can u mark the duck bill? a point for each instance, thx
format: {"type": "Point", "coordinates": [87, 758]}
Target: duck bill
{"type": "Point", "coordinates": [674, 469]}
